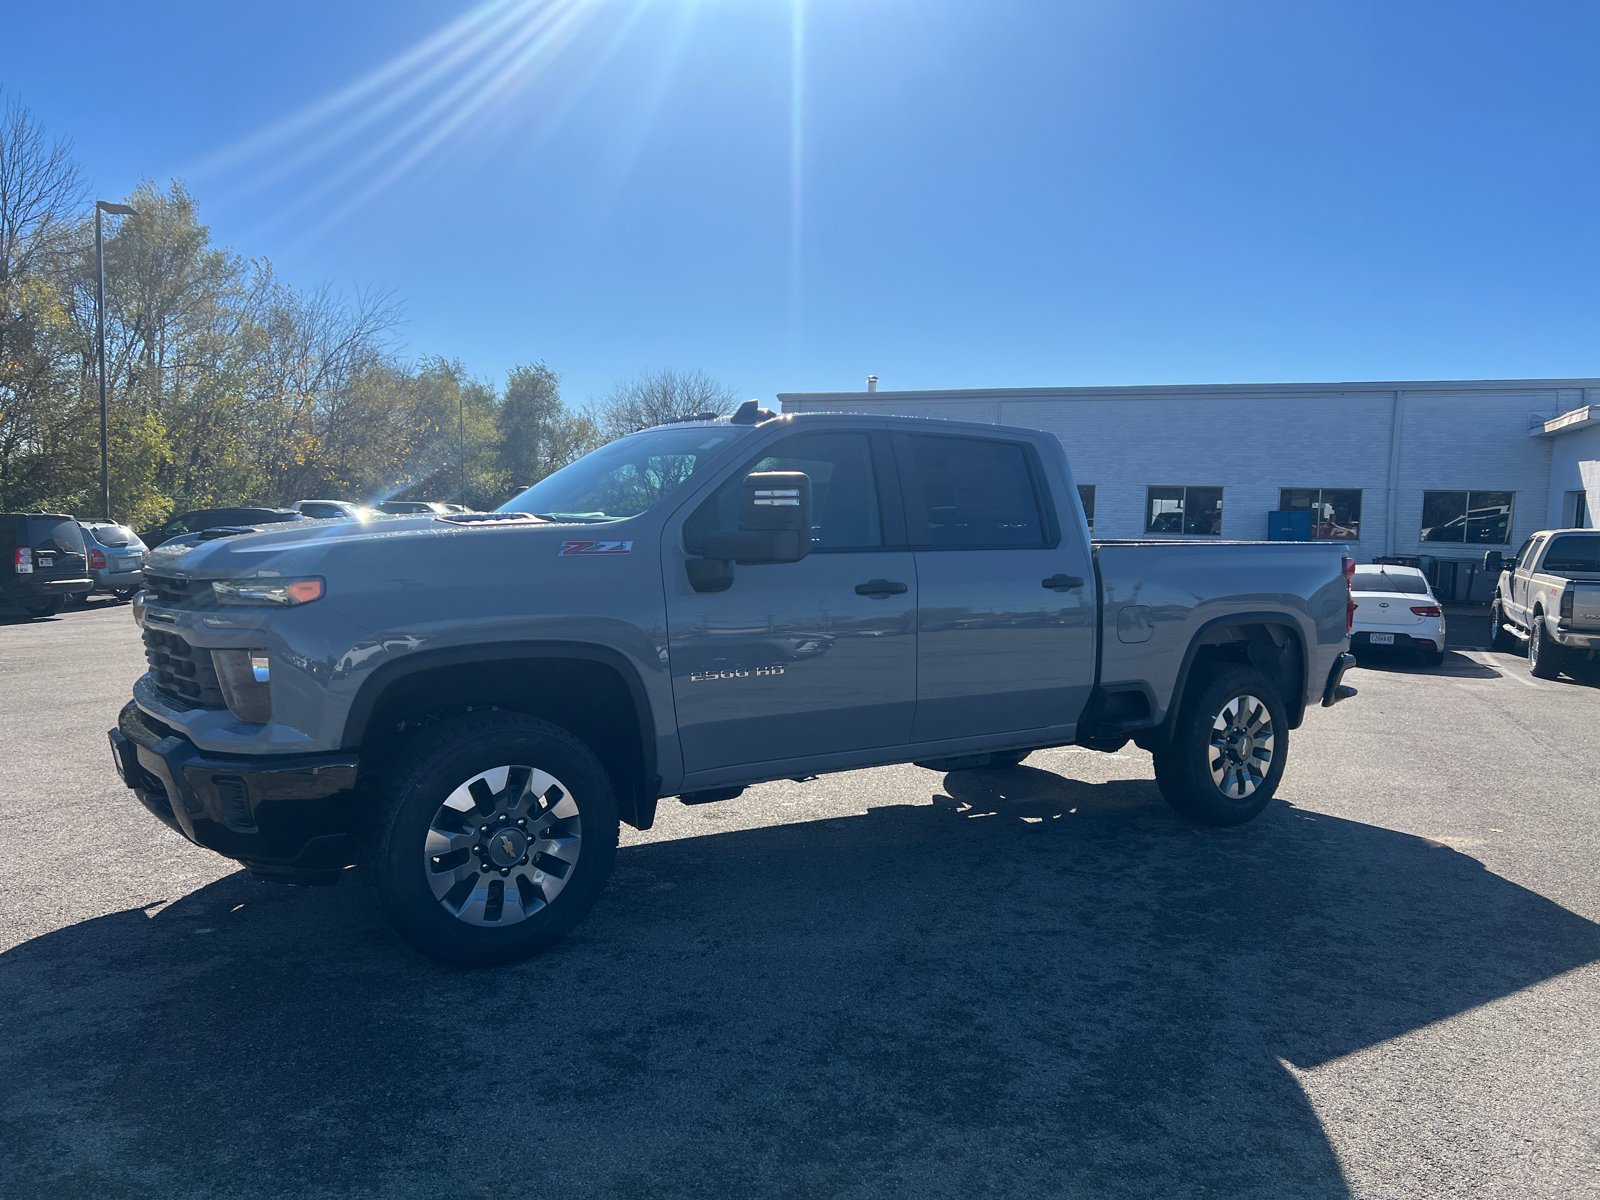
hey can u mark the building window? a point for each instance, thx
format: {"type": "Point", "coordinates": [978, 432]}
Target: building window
{"type": "Point", "coordinates": [1476, 518]}
{"type": "Point", "coordinates": [1184, 510]}
{"type": "Point", "coordinates": [1335, 512]}
{"type": "Point", "coordinates": [1086, 494]}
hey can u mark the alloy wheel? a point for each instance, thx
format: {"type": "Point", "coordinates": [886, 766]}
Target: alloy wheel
{"type": "Point", "coordinates": [1241, 749]}
{"type": "Point", "coordinates": [502, 845]}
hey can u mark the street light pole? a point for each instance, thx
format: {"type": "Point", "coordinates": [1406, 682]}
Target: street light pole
{"type": "Point", "coordinates": [461, 440]}
{"type": "Point", "coordinates": [102, 206]}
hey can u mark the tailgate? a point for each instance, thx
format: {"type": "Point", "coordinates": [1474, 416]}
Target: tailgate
{"type": "Point", "coordinates": [1585, 605]}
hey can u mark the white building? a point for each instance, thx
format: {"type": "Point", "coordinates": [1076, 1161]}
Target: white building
{"type": "Point", "coordinates": [1438, 471]}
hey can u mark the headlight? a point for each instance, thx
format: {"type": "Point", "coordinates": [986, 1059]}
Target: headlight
{"type": "Point", "coordinates": [276, 593]}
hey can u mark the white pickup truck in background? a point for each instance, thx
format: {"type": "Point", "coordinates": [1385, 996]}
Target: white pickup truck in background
{"type": "Point", "coordinates": [1548, 602]}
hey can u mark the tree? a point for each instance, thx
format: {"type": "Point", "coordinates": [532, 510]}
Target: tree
{"type": "Point", "coordinates": [657, 396]}
{"type": "Point", "coordinates": [41, 191]}
{"type": "Point", "coordinates": [538, 433]}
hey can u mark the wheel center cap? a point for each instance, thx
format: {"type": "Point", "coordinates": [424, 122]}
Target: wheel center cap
{"type": "Point", "coordinates": [505, 847]}
{"type": "Point", "coordinates": [1239, 745]}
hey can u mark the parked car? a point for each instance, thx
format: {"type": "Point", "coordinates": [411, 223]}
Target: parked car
{"type": "Point", "coordinates": [116, 557]}
{"type": "Point", "coordinates": [43, 562]}
{"type": "Point", "coordinates": [684, 612]}
{"type": "Point", "coordinates": [412, 508]}
{"type": "Point", "coordinates": [1547, 601]}
{"type": "Point", "coordinates": [331, 510]}
{"type": "Point", "coordinates": [216, 518]}
{"type": "Point", "coordinates": [1395, 607]}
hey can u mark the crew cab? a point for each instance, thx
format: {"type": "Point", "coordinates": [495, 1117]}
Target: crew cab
{"type": "Point", "coordinates": [1547, 602]}
{"type": "Point", "coordinates": [467, 704]}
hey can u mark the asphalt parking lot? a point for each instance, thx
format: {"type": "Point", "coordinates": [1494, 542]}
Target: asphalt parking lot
{"type": "Point", "coordinates": [1036, 982]}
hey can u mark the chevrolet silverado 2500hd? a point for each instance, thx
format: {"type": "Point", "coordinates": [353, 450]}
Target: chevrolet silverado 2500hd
{"type": "Point", "coordinates": [466, 705]}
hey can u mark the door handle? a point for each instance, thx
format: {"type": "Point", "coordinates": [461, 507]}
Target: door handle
{"type": "Point", "coordinates": [1062, 583]}
{"type": "Point", "coordinates": [878, 589]}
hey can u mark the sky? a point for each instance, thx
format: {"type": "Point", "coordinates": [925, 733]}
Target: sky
{"type": "Point", "coordinates": [794, 194]}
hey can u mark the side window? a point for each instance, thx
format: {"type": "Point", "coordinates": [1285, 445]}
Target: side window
{"type": "Point", "coordinates": [1086, 495]}
{"type": "Point", "coordinates": [969, 494]}
{"type": "Point", "coordinates": [845, 511]}
{"type": "Point", "coordinates": [1522, 555]}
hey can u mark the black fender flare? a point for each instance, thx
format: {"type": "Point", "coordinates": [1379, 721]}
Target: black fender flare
{"type": "Point", "coordinates": [415, 662]}
{"type": "Point", "coordinates": [1296, 704]}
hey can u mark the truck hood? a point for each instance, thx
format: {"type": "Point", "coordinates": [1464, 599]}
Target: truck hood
{"type": "Point", "coordinates": [312, 547]}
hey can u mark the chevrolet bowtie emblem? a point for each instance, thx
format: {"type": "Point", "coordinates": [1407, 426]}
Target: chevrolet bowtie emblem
{"type": "Point", "coordinates": [505, 844]}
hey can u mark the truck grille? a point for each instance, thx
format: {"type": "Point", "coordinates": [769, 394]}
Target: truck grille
{"type": "Point", "coordinates": [175, 592]}
{"type": "Point", "coordinates": [182, 673]}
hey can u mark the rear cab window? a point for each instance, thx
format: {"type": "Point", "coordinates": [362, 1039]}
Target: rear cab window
{"type": "Point", "coordinates": [1573, 554]}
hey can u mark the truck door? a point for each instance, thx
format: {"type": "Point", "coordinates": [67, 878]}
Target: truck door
{"type": "Point", "coordinates": [801, 659]}
{"type": "Point", "coordinates": [1520, 570]}
{"type": "Point", "coordinates": [1005, 618]}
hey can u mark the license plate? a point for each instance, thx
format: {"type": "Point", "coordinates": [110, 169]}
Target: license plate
{"type": "Point", "coordinates": [46, 561]}
{"type": "Point", "coordinates": [127, 564]}
{"type": "Point", "coordinates": [1380, 639]}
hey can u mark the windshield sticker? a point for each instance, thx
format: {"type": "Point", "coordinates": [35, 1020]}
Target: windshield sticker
{"type": "Point", "coordinates": [595, 548]}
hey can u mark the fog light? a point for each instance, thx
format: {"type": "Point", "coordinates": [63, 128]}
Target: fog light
{"type": "Point", "coordinates": [243, 675]}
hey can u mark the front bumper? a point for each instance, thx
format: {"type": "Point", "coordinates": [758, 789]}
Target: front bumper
{"type": "Point", "coordinates": [287, 817]}
{"type": "Point", "coordinates": [1336, 690]}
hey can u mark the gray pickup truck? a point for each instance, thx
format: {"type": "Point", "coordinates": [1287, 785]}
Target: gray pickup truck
{"type": "Point", "coordinates": [466, 705]}
{"type": "Point", "coordinates": [1547, 601]}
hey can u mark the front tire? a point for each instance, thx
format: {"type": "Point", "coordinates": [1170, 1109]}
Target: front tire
{"type": "Point", "coordinates": [1544, 656]}
{"type": "Point", "coordinates": [493, 838]}
{"type": "Point", "coordinates": [1228, 749]}
{"type": "Point", "coordinates": [1499, 639]}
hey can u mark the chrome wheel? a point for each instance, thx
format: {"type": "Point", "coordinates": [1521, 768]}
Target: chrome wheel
{"type": "Point", "coordinates": [502, 845]}
{"type": "Point", "coordinates": [1241, 749]}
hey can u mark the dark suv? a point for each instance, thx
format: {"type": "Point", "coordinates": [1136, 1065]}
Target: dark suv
{"type": "Point", "coordinates": [215, 518]}
{"type": "Point", "coordinates": [42, 562]}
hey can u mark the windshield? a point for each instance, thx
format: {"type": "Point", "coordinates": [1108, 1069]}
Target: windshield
{"type": "Point", "coordinates": [626, 477]}
{"type": "Point", "coordinates": [1382, 581]}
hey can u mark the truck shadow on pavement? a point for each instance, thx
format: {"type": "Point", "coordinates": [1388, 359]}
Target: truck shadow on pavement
{"type": "Point", "coordinates": [1035, 986]}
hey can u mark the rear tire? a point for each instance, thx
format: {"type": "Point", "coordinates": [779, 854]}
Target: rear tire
{"type": "Point", "coordinates": [1499, 639]}
{"type": "Point", "coordinates": [1433, 658]}
{"type": "Point", "coordinates": [492, 838]}
{"type": "Point", "coordinates": [1544, 656]}
{"type": "Point", "coordinates": [43, 608]}
{"type": "Point", "coordinates": [1228, 749]}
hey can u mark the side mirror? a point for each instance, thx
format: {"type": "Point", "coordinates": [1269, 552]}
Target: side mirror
{"type": "Point", "coordinates": [774, 527]}
{"type": "Point", "coordinates": [1493, 562]}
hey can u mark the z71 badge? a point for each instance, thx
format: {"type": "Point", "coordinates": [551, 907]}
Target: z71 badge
{"type": "Point", "coordinates": [595, 548]}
